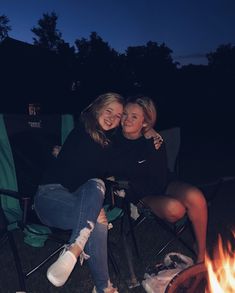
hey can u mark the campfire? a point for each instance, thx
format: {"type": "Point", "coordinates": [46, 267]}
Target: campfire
{"type": "Point", "coordinates": [221, 269]}
{"type": "Point", "coordinates": [217, 275]}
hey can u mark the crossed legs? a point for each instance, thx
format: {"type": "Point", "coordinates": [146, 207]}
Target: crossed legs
{"type": "Point", "coordinates": [77, 211]}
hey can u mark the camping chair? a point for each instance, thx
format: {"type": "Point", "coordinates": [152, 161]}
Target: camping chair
{"type": "Point", "coordinates": [129, 222]}
{"type": "Point", "coordinates": [25, 143]}
{"type": "Point", "coordinates": [126, 211]}
{"type": "Point", "coordinates": [176, 230]}
{"type": "Point", "coordinates": [171, 138]}
{"type": "Point", "coordinates": [115, 213]}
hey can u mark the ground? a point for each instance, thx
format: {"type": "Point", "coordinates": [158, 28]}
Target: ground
{"type": "Point", "coordinates": [204, 163]}
{"type": "Point", "coordinates": [149, 236]}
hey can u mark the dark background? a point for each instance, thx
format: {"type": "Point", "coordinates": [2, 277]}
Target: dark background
{"type": "Point", "coordinates": [64, 79]}
{"type": "Point", "coordinates": [197, 98]}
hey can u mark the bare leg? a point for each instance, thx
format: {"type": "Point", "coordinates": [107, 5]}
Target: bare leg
{"type": "Point", "coordinates": [181, 198]}
{"type": "Point", "coordinates": [165, 207]}
{"type": "Point", "coordinates": [194, 202]}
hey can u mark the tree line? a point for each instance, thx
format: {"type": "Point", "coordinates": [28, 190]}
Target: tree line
{"type": "Point", "coordinates": [93, 67]}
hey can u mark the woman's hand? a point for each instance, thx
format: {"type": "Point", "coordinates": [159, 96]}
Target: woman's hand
{"type": "Point", "coordinates": [55, 150]}
{"type": "Point", "coordinates": [157, 139]}
{"type": "Point", "coordinates": [111, 178]}
{"type": "Point", "coordinates": [120, 193]}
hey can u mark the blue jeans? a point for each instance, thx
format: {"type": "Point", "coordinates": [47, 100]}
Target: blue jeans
{"type": "Point", "coordinates": [57, 207]}
{"type": "Point", "coordinates": [98, 263]}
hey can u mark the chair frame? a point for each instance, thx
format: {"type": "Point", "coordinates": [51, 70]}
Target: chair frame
{"type": "Point", "coordinates": [175, 230]}
{"type": "Point", "coordinates": [127, 222]}
{"type": "Point", "coordinates": [7, 233]}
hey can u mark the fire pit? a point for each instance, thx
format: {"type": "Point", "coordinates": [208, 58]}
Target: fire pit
{"type": "Point", "coordinates": [190, 280]}
{"type": "Point", "coordinates": [217, 275]}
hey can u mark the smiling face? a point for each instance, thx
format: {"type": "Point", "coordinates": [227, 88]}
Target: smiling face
{"type": "Point", "coordinates": [132, 121]}
{"type": "Point", "coordinates": [110, 115]}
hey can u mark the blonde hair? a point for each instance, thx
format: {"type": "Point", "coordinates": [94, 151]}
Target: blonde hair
{"type": "Point", "coordinates": [149, 110]}
{"type": "Point", "coordinates": [90, 115]}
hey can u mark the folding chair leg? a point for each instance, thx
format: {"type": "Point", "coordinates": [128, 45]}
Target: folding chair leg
{"type": "Point", "coordinates": [45, 260]}
{"type": "Point", "coordinates": [133, 279]}
{"type": "Point", "coordinates": [113, 261]}
{"type": "Point", "coordinates": [131, 231]}
{"type": "Point", "coordinates": [20, 273]}
{"type": "Point", "coordinates": [176, 236]}
{"type": "Point", "coordinates": [126, 227]}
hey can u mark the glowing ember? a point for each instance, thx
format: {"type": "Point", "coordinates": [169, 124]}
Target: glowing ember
{"type": "Point", "coordinates": [221, 270]}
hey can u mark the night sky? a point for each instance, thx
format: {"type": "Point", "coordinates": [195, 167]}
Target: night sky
{"type": "Point", "coordinates": [191, 28]}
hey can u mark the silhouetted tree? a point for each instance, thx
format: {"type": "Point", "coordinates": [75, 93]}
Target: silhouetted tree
{"type": "Point", "coordinates": [47, 35]}
{"type": "Point", "coordinates": [222, 80]}
{"type": "Point", "coordinates": [4, 27]}
{"type": "Point", "coordinates": [67, 54]}
{"type": "Point", "coordinates": [94, 47]}
{"type": "Point", "coordinates": [223, 58]}
{"type": "Point", "coordinates": [97, 65]}
{"type": "Point", "coordinates": [64, 49]}
{"type": "Point", "coordinates": [150, 66]}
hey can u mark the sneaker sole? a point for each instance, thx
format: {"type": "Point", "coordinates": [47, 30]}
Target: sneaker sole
{"type": "Point", "coordinates": [53, 280]}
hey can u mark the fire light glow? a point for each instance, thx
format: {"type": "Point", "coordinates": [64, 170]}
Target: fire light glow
{"type": "Point", "coordinates": [221, 270]}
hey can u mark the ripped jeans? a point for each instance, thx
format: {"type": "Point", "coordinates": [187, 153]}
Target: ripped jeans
{"type": "Point", "coordinates": [57, 207]}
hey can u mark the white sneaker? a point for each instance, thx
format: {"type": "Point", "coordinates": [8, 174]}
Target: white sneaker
{"type": "Point", "coordinates": [59, 272]}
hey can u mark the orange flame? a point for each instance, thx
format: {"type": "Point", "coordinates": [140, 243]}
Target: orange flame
{"type": "Point", "coordinates": [221, 270]}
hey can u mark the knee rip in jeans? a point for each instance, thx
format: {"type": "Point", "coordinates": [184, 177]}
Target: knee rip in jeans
{"type": "Point", "coordinates": [84, 235]}
{"type": "Point", "coordinates": [102, 218]}
{"type": "Point", "coordinates": [81, 240]}
{"type": "Point", "coordinates": [105, 223]}
{"type": "Point", "coordinates": [85, 232]}
{"type": "Point", "coordinates": [100, 185]}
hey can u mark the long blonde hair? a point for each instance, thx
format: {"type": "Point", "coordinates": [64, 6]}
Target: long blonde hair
{"type": "Point", "coordinates": [90, 115]}
{"type": "Point", "coordinates": [149, 110]}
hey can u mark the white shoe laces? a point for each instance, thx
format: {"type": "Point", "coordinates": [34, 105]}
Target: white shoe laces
{"type": "Point", "coordinates": [84, 234]}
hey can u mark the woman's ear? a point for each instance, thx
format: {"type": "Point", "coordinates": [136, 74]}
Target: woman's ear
{"type": "Point", "coordinates": [145, 124]}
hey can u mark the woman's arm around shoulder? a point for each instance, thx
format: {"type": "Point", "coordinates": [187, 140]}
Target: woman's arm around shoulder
{"type": "Point", "coordinates": [155, 136]}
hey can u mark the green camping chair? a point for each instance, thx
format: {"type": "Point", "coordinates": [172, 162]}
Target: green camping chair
{"type": "Point", "coordinates": [21, 136]}
{"type": "Point", "coordinates": [172, 141]}
{"type": "Point", "coordinates": [174, 231]}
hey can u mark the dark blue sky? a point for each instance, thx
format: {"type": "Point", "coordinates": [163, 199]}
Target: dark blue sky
{"type": "Point", "coordinates": [191, 28]}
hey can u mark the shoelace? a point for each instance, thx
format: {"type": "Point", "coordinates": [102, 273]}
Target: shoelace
{"type": "Point", "coordinates": [84, 235]}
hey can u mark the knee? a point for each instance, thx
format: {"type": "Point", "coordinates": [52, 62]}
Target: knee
{"type": "Point", "coordinates": [99, 184]}
{"type": "Point", "coordinates": [174, 211]}
{"type": "Point", "coordinates": [195, 198]}
{"type": "Point", "coordinates": [102, 219]}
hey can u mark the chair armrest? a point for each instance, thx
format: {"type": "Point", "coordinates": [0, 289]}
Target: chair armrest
{"type": "Point", "coordinates": [11, 193]}
{"type": "Point", "coordinates": [24, 200]}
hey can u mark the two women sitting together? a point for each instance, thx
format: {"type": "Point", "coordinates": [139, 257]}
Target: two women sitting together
{"type": "Point", "coordinates": [111, 139]}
